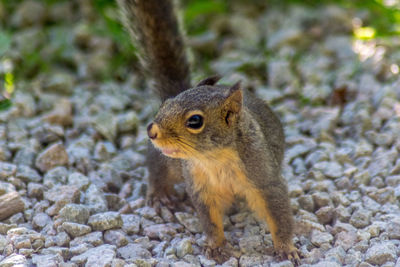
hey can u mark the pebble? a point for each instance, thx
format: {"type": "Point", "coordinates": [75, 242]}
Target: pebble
{"type": "Point", "coordinates": [159, 231]}
{"type": "Point", "coordinates": [115, 237]}
{"type": "Point", "coordinates": [132, 251]}
{"type": "Point", "coordinates": [131, 223]}
{"type": "Point", "coordinates": [102, 255]}
{"type": "Point", "coordinates": [360, 218]}
{"type": "Point", "coordinates": [191, 222]}
{"type": "Point", "coordinates": [54, 155]}
{"type": "Point", "coordinates": [76, 213]}
{"type": "Point", "coordinates": [14, 260]}
{"type": "Point", "coordinates": [105, 221]}
{"type": "Point", "coordinates": [76, 229]}
{"type": "Point", "coordinates": [380, 253]}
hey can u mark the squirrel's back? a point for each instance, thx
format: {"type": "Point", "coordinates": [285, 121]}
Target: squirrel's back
{"type": "Point", "coordinates": [154, 29]}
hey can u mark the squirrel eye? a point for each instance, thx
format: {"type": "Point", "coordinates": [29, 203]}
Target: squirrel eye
{"type": "Point", "coordinates": [195, 122]}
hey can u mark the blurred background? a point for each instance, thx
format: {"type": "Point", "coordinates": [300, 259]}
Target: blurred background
{"type": "Point", "coordinates": [48, 41]}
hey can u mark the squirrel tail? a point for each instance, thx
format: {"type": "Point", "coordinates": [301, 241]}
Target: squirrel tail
{"type": "Point", "coordinates": [154, 28]}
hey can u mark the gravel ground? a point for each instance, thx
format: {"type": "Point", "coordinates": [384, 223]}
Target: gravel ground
{"type": "Point", "coordinates": [73, 147]}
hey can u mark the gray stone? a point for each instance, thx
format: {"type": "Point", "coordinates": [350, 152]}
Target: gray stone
{"type": "Point", "coordinates": [380, 253]}
{"type": "Point", "coordinates": [128, 122]}
{"type": "Point", "coordinates": [251, 244]}
{"type": "Point", "coordinates": [27, 174]}
{"type": "Point", "coordinates": [132, 251]}
{"type": "Point", "coordinates": [93, 238]}
{"type": "Point", "coordinates": [40, 220]}
{"type": "Point", "coordinates": [330, 169]}
{"type": "Point", "coordinates": [184, 247]}
{"type": "Point", "coordinates": [306, 202]}
{"type": "Point", "coordinates": [105, 221]}
{"type": "Point", "coordinates": [115, 237]}
{"type": "Point", "coordinates": [393, 228]}
{"type": "Point", "coordinates": [54, 155]}
{"type": "Point", "coordinates": [106, 124]}
{"type": "Point", "coordinates": [35, 190]}
{"type": "Point", "coordinates": [75, 213]}
{"type": "Point", "coordinates": [61, 83]}
{"type": "Point", "coordinates": [190, 222]}
{"type": "Point", "coordinates": [104, 151]}
{"type": "Point", "coordinates": [14, 260]}
{"type": "Point", "coordinates": [95, 199]}
{"type": "Point", "coordinates": [47, 260]}
{"type": "Point", "coordinates": [7, 170]}
{"type": "Point", "coordinates": [131, 223]}
{"type": "Point", "coordinates": [79, 180]}
{"type": "Point", "coordinates": [99, 256]}
{"type": "Point", "coordinates": [360, 218]}
{"type": "Point", "coordinates": [64, 194]}
{"type": "Point", "coordinates": [56, 176]}
{"type": "Point", "coordinates": [161, 231]}
{"type": "Point", "coordinates": [319, 238]}
{"type": "Point", "coordinates": [76, 229]}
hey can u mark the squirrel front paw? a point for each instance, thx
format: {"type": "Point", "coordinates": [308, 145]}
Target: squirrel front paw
{"type": "Point", "coordinates": [161, 198]}
{"type": "Point", "coordinates": [289, 252]}
{"type": "Point", "coordinates": [219, 254]}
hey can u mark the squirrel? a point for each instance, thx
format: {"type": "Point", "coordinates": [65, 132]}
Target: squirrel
{"type": "Point", "coordinates": [220, 140]}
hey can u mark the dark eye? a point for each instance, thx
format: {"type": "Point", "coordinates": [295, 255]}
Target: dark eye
{"type": "Point", "coordinates": [195, 122]}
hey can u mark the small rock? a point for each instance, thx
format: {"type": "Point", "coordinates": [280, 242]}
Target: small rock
{"type": "Point", "coordinates": [76, 229]}
{"type": "Point", "coordinates": [95, 199]}
{"type": "Point", "coordinates": [319, 238]}
{"type": "Point", "coordinates": [360, 218]}
{"type": "Point", "coordinates": [79, 180]}
{"type": "Point", "coordinates": [251, 244]}
{"type": "Point", "coordinates": [105, 221]}
{"type": "Point", "coordinates": [131, 223]}
{"type": "Point", "coordinates": [393, 228]}
{"type": "Point", "coordinates": [27, 174]}
{"type": "Point", "coordinates": [75, 213]}
{"type": "Point", "coordinates": [330, 169]}
{"type": "Point", "coordinates": [380, 253]}
{"type": "Point", "coordinates": [115, 237]}
{"type": "Point", "coordinates": [132, 251]}
{"type": "Point", "coordinates": [40, 220]}
{"type": "Point", "coordinates": [93, 238]}
{"type": "Point", "coordinates": [184, 247]}
{"type": "Point", "coordinates": [53, 156]}
{"type": "Point", "coordinates": [101, 256]}
{"type": "Point", "coordinates": [7, 170]}
{"type": "Point", "coordinates": [106, 124]}
{"type": "Point", "coordinates": [56, 176]}
{"type": "Point", "coordinates": [160, 231]}
{"type": "Point", "coordinates": [189, 221]}
{"type": "Point", "coordinates": [35, 190]}
{"type": "Point", "coordinates": [14, 260]}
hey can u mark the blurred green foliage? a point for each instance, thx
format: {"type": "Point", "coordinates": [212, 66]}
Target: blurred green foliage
{"type": "Point", "coordinates": [384, 20]}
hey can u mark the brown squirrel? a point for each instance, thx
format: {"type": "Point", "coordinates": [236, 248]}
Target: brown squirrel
{"type": "Point", "coordinates": [222, 140]}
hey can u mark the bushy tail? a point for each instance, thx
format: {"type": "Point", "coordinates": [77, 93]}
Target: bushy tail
{"type": "Point", "coordinates": [154, 29]}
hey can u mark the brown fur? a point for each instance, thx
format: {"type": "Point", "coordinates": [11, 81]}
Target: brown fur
{"type": "Point", "coordinates": [237, 151]}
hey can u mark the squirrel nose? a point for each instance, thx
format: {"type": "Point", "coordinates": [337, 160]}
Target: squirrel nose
{"type": "Point", "coordinates": [152, 131]}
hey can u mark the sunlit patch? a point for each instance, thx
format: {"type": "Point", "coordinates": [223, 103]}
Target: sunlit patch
{"type": "Point", "coordinates": [364, 33]}
{"type": "Point", "coordinates": [394, 68]}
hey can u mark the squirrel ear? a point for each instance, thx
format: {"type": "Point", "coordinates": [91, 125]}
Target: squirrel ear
{"type": "Point", "coordinates": [235, 98]}
{"type": "Point", "coordinates": [209, 81]}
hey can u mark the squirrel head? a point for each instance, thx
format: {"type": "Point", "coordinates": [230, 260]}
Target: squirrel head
{"type": "Point", "coordinates": [198, 120]}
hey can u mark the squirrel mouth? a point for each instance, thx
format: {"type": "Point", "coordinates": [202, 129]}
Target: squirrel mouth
{"type": "Point", "coordinates": [170, 151]}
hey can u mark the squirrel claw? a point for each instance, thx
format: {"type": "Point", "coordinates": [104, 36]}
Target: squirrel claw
{"type": "Point", "coordinates": [219, 254]}
{"type": "Point", "coordinates": [156, 201]}
{"type": "Point", "coordinates": [291, 253]}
